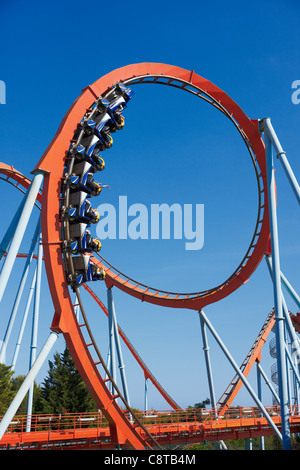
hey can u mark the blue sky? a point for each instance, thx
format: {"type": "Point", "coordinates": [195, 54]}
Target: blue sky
{"type": "Point", "coordinates": [174, 149]}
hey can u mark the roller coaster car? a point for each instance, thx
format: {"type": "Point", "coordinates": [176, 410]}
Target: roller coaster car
{"type": "Point", "coordinates": [92, 244]}
{"type": "Point", "coordinates": [119, 98]}
{"type": "Point", "coordinates": [109, 118]}
{"type": "Point", "coordinates": [85, 271]}
{"type": "Point", "coordinates": [101, 129]}
{"type": "Point", "coordinates": [91, 155]}
{"type": "Point", "coordinates": [115, 103]}
{"type": "Point", "coordinates": [82, 240]}
{"type": "Point", "coordinates": [121, 91]}
{"type": "Point", "coordinates": [100, 126]}
{"type": "Point", "coordinates": [80, 209]}
{"type": "Point", "coordinates": [82, 179]}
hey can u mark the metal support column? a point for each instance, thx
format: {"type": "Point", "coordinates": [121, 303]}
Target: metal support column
{"type": "Point", "coordinates": [112, 352]}
{"type": "Point", "coordinates": [268, 382]}
{"type": "Point", "coordinates": [20, 291]}
{"type": "Point", "coordinates": [293, 368]}
{"type": "Point", "coordinates": [24, 319]}
{"type": "Point", "coordinates": [290, 290]}
{"type": "Point", "coordinates": [290, 328]}
{"type": "Point", "coordinates": [281, 155]}
{"type": "Point", "coordinates": [30, 199]}
{"type": "Point", "coordinates": [280, 340]}
{"type": "Point", "coordinates": [288, 322]}
{"type": "Point", "coordinates": [34, 336]}
{"type": "Point", "coordinates": [259, 393]}
{"type": "Point", "coordinates": [219, 445]}
{"type": "Point", "coordinates": [208, 364]}
{"type": "Point", "coordinates": [11, 230]}
{"type": "Point", "coordinates": [241, 375]}
{"type": "Point", "coordinates": [146, 393]}
{"type": "Point", "coordinates": [29, 380]}
{"type": "Point", "coordinates": [120, 359]}
{"type": "Point", "coordinates": [115, 339]}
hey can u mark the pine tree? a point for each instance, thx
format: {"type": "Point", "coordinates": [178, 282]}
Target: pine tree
{"type": "Point", "coordinates": [16, 383]}
{"type": "Point", "coordinates": [63, 390]}
{"type": "Point", "coordinates": [6, 392]}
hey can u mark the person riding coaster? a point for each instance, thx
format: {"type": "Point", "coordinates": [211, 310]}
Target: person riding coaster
{"type": "Point", "coordinates": [120, 91]}
{"type": "Point", "coordinates": [81, 240]}
{"type": "Point", "coordinates": [109, 118]}
{"type": "Point", "coordinates": [82, 179]}
{"type": "Point", "coordinates": [85, 271]}
{"type": "Point", "coordinates": [80, 209]}
{"type": "Point", "coordinates": [91, 154]}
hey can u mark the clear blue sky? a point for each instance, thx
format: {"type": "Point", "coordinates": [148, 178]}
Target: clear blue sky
{"type": "Point", "coordinates": [174, 148]}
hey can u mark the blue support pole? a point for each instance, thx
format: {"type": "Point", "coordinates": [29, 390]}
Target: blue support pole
{"type": "Point", "coordinates": [268, 128]}
{"type": "Point", "coordinates": [108, 368]}
{"type": "Point", "coordinates": [267, 381]}
{"type": "Point", "coordinates": [30, 199]}
{"type": "Point", "coordinates": [208, 364]}
{"type": "Point", "coordinates": [240, 374]}
{"type": "Point", "coordinates": [24, 319]}
{"type": "Point", "coordinates": [20, 291]}
{"type": "Point", "coordinates": [121, 361]}
{"type": "Point", "coordinates": [34, 336]}
{"type": "Point", "coordinates": [112, 351]}
{"type": "Point", "coordinates": [280, 340]}
{"type": "Point", "coordinates": [218, 444]}
{"type": "Point", "coordinates": [26, 384]}
{"type": "Point", "coordinates": [290, 359]}
{"type": "Point", "coordinates": [116, 338]}
{"type": "Point", "coordinates": [290, 290]}
{"type": "Point", "coordinates": [259, 393]}
{"type": "Point", "coordinates": [288, 322]}
{"type": "Point", "coordinates": [11, 230]}
{"type": "Point", "coordinates": [146, 394]}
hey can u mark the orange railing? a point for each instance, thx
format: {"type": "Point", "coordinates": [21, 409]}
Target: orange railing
{"type": "Point", "coordinates": [58, 422]}
{"type": "Point", "coordinates": [157, 419]}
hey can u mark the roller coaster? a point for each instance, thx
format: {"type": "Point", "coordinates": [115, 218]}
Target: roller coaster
{"type": "Point", "coordinates": [67, 173]}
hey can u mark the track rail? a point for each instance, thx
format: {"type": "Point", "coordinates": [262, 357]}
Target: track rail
{"type": "Point", "coordinates": [22, 183]}
{"type": "Point", "coordinates": [59, 263]}
{"type": "Point", "coordinates": [248, 129]}
{"type": "Point", "coordinates": [147, 373]}
{"type": "Point", "coordinates": [231, 391]}
{"type": "Point", "coordinates": [90, 430]}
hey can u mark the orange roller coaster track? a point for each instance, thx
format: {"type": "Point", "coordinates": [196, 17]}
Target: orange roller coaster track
{"type": "Point", "coordinates": [52, 166]}
{"type": "Point", "coordinates": [22, 183]}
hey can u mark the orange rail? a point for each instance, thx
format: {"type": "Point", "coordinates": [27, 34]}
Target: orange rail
{"type": "Point", "coordinates": [168, 426]}
{"type": "Point", "coordinates": [21, 182]}
{"type": "Point", "coordinates": [52, 164]}
{"type": "Point", "coordinates": [254, 355]}
{"type": "Point", "coordinates": [147, 373]}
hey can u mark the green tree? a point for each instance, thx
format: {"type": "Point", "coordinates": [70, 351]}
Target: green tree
{"type": "Point", "coordinates": [16, 383]}
{"type": "Point", "coordinates": [200, 405]}
{"type": "Point", "coordinates": [6, 392]}
{"type": "Point", "coordinates": [63, 390]}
